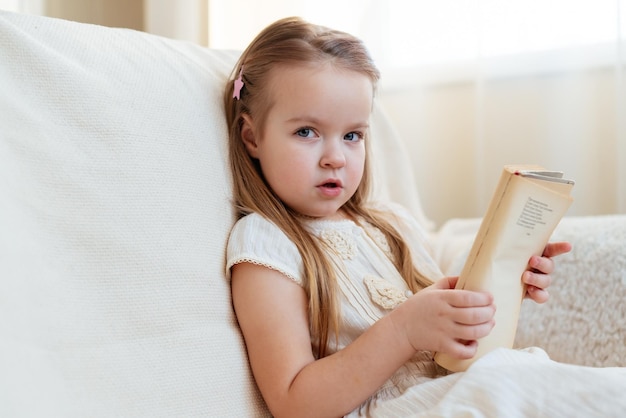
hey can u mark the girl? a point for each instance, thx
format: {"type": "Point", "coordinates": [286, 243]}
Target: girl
{"type": "Point", "coordinates": [340, 305]}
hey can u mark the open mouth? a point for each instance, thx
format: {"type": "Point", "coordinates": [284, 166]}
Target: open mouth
{"type": "Point", "coordinates": [331, 187]}
{"type": "Point", "coordinates": [331, 183]}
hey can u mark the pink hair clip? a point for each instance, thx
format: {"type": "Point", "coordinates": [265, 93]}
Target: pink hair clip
{"type": "Point", "coordinates": [238, 85]}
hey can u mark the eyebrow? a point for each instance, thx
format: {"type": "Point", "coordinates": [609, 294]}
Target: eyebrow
{"type": "Point", "coordinates": [315, 121]}
{"type": "Point", "coordinates": [303, 119]}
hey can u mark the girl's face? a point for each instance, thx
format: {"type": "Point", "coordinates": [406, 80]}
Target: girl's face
{"type": "Point", "coordinates": [311, 150]}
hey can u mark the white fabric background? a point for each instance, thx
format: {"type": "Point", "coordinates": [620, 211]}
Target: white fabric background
{"type": "Point", "coordinates": [114, 213]}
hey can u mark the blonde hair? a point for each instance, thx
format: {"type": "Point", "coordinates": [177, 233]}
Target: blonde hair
{"type": "Point", "coordinates": [292, 41]}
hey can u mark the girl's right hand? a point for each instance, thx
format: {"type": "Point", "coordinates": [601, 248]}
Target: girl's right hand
{"type": "Point", "coordinates": [440, 318]}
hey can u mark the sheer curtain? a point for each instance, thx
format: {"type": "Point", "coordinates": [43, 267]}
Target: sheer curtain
{"type": "Point", "coordinates": [536, 82]}
{"type": "Point", "coordinates": [474, 85]}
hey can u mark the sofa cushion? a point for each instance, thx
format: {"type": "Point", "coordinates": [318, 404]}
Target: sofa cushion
{"type": "Point", "coordinates": [114, 211]}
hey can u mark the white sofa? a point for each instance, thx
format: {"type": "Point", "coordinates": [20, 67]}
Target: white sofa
{"type": "Point", "coordinates": [114, 213]}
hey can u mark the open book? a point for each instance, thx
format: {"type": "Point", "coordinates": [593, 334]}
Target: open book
{"type": "Point", "coordinates": [526, 207]}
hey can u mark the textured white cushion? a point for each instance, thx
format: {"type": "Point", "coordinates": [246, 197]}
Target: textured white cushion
{"type": "Point", "coordinates": [114, 213]}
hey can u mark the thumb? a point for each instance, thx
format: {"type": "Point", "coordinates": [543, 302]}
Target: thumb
{"type": "Point", "coordinates": [446, 283]}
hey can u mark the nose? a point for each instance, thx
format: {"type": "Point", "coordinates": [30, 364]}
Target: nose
{"type": "Point", "coordinates": [333, 155]}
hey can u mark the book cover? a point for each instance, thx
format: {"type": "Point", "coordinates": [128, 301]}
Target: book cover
{"type": "Point", "coordinates": [528, 203]}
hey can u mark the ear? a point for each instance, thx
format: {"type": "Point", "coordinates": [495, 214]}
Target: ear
{"type": "Point", "coordinates": [248, 136]}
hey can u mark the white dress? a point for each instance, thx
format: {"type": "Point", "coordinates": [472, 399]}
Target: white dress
{"type": "Point", "coordinates": [504, 383]}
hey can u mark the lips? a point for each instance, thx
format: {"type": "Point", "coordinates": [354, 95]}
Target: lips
{"type": "Point", "coordinates": [331, 188]}
{"type": "Point", "coordinates": [331, 184]}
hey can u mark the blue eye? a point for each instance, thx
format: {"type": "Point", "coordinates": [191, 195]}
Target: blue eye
{"type": "Point", "coordinates": [353, 136]}
{"type": "Point", "coordinates": [305, 132]}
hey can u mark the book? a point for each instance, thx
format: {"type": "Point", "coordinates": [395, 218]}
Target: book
{"type": "Point", "coordinates": [527, 205]}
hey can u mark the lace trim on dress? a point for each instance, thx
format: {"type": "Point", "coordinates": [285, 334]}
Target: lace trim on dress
{"type": "Point", "coordinates": [383, 293]}
{"type": "Point", "coordinates": [271, 267]}
{"type": "Point", "coordinates": [341, 242]}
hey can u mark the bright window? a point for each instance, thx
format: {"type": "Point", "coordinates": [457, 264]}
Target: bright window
{"type": "Point", "coordinates": [414, 33]}
{"type": "Point", "coordinates": [449, 30]}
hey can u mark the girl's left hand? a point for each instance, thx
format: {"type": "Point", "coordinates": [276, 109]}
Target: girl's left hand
{"type": "Point", "coordinates": [537, 276]}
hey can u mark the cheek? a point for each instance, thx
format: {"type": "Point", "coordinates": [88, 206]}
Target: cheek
{"type": "Point", "coordinates": [287, 178]}
{"type": "Point", "coordinates": [282, 170]}
{"type": "Point", "coordinates": [357, 168]}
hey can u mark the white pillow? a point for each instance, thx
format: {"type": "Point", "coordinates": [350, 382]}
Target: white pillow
{"type": "Point", "coordinates": [114, 211]}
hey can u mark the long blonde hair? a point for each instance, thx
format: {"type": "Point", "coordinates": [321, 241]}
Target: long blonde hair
{"type": "Point", "coordinates": [292, 41]}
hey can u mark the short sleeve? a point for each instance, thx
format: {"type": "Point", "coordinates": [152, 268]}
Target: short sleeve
{"type": "Point", "coordinates": [256, 240]}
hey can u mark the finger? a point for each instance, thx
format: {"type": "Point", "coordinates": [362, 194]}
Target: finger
{"type": "Point", "coordinates": [446, 283]}
{"type": "Point", "coordinates": [474, 316]}
{"type": "Point", "coordinates": [554, 249]}
{"type": "Point", "coordinates": [461, 349]}
{"type": "Point", "coordinates": [541, 264]}
{"type": "Point", "coordinates": [538, 280]}
{"type": "Point", "coordinates": [473, 332]}
{"type": "Point", "coordinates": [538, 295]}
{"type": "Point", "coordinates": [468, 299]}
